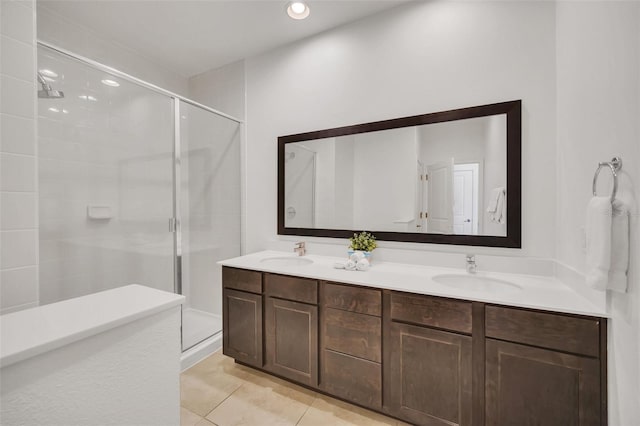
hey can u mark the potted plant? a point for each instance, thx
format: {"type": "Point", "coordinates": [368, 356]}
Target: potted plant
{"type": "Point", "coordinates": [364, 242]}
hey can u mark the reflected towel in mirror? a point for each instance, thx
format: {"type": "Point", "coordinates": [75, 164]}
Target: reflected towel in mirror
{"type": "Point", "coordinates": [497, 205]}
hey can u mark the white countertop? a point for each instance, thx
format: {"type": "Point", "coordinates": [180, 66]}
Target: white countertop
{"type": "Point", "coordinates": [25, 334]}
{"type": "Point", "coordinates": [537, 292]}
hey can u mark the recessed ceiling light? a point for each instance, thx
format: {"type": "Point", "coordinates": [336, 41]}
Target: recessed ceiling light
{"type": "Point", "coordinates": [88, 98]}
{"type": "Point", "coordinates": [111, 83]}
{"type": "Point", "coordinates": [52, 109]}
{"type": "Point", "coordinates": [48, 73]}
{"type": "Point", "coordinates": [298, 10]}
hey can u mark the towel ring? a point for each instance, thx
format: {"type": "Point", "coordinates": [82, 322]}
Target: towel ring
{"type": "Point", "coordinates": [614, 165]}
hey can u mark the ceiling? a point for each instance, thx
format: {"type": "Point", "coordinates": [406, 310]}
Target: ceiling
{"type": "Point", "coordinates": [190, 37]}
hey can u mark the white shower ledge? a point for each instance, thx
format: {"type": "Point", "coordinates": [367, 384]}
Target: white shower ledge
{"type": "Point", "coordinates": [546, 293]}
{"type": "Point", "coordinates": [25, 334]}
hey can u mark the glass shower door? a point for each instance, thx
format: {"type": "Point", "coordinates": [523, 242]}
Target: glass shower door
{"type": "Point", "coordinates": [209, 211]}
{"type": "Point", "coordinates": [105, 161]}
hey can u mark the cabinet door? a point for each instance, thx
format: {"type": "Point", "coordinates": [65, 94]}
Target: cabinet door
{"type": "Point", "coordinates": [533, 386]}
{"type": "Point", "coordinates": [291, 340]}
{"type": "Point", "coordinates": [242, 326]}
{"type": "Point", "coordinates": [428, 376]}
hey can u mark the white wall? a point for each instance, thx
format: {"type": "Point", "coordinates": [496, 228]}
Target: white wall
{"type": "Point", "coordinates": [56, 29]}
{"type": "Point", "coordinates": [221, 88]}
{"type": "Point", "coordinates": [418, 58]}
{"type": "Point", "coordinates": [18, 158]}
{"type": "Point", "coordinates": [598, 79]}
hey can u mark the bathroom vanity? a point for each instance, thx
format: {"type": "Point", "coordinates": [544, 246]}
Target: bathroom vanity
{"type": "Point", "coordinates": [394, 340]}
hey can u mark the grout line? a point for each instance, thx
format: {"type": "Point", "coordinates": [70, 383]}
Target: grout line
{"type": "Point", "coordinates": [306, 410]}
{"type": "Point", "coordinates": [4, 191]}
{"type": "Point", "coordinates": [18, 154]}
{"type": "Point", "coordinates": [28, 45]}
{"type": "Point", "coordinates": [221, 402]}
{"type": "Point", "coordinates": [17, 268]}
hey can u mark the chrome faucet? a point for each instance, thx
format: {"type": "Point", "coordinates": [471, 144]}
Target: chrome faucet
{"type": "Point", "coordinates": [299, 248]}
{"type": "Point", "coordinates": [471, 264]}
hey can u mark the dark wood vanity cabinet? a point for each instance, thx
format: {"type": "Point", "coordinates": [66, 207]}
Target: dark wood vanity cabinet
{"type": "Point", "coordinates": [291, 328]}
{"type": "Point", "coordinates": [423, 359]}
{"type": "Point", "coordinates": [428, 359]}
{"type": "Point", "coordinates": [242, 315]}
{"type": "Point", "coordinates": [544, 368]}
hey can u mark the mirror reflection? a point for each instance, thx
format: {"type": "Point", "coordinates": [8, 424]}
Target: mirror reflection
{"type": "Point", "coordinates": [440, 178]}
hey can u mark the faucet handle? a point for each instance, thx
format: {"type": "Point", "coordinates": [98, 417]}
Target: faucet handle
{"type": "Point", "coordinates": [471, 258]}
{"type": "Point", "coordinates": [299, 244]}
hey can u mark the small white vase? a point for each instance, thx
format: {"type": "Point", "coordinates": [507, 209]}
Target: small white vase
{"type": "Point", "coordinates": [367, 254]}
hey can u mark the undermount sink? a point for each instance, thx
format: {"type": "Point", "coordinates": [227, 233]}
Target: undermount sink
{"type": "Point", "coordinates": [475, 282]}
{"type": "Point", "coordinates": [287, 261]}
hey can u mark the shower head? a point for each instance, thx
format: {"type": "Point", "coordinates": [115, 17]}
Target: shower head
{"type": "Point", "coordinates": [47, 92]}
{"type": "Point", "coordinates": [50, 94]}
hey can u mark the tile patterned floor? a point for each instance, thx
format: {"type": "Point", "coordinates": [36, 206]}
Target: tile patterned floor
{"type": "Point", "coordinates": [217, 391]}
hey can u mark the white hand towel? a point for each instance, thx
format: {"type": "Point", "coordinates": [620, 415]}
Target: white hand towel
{"type": "Point", "coordinates": [501, 210]}
{"type": "Point", "coordinates": [598, 232]}
{"type": "Point", "coordinates": [350, 265]}
{"type": "Point", "coordinates": [619, 247]}
{"type": "Point", "coordinates": [362, 265]}
{"type": "Point", "coordinates": [492, 205]}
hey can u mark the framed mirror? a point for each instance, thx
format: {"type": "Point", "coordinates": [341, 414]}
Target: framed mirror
{"type": "Point", "coordinates": [449, 177]}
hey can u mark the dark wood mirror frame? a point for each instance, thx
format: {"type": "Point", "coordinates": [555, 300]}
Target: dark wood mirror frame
{"type": "Point", "coordinates": [513, 111]}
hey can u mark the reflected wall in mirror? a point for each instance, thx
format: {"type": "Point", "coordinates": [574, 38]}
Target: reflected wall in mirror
{"type": "Point", "coordinates": [447, 177]}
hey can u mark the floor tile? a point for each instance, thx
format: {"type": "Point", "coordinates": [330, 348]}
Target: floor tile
{"type": "Point", "coordinates": [329, 411]}
{"type": "Point", "coordinates": [188, 418]}
{"type": "Point", "coordinates": [207, 384]}
{"type": "Point", "coordinates": [229, 394]}
{"type": "Point", "coordinates": [205, 422]}
{"type": "Point", "coordinates": [263, 404]}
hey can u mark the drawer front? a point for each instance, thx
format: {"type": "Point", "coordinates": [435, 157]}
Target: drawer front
{"type": "Point", "coordinates": [291, 288]}
{"type": "Point", "coordinates": [242, 279]}
{"type": "Point", "coordinates": [353, 334]}
{"type": "Point", "coordinates": [352, 378]}
{"type": "Point", "coordinates": [546, 330]}
{"type": "Point", "coordinates": [354, 299]}
{"type": "Point", "coordinates": [431, 311]}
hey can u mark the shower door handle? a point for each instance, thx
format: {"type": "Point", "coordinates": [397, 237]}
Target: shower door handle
{"type": "Point", "coordinates": [173, 224]}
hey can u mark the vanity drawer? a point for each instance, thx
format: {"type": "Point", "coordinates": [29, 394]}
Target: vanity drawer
{"type": "Point", "coordinates": [242, 279]}
{"type": "Point", "coordinates": [431, 311]}
{"type": "Point", "coordinates": [353, 334]}
{"type": "Point", "coordinates": [303, 290]}
{"type": "Point", "coordinates": [567, 333]}
{"type": "Point", "coordinates": [351, 378]}
{"type": "Point", "coordinates": [353, 299]}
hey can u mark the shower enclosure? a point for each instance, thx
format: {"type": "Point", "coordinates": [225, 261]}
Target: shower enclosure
{"type": "Point", "coordinates": [136, 185]}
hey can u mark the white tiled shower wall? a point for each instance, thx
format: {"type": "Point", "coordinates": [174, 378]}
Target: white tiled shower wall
{"type": "Point", "coordinates": [18, 164]}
